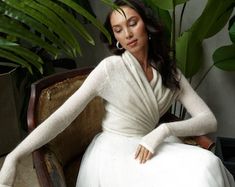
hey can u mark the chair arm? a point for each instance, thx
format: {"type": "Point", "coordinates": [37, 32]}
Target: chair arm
{"type": "Point", "coordinates": [48, 169]}
{"type": "Point", "coordinates": [201, 141]}
{"type": "Point", "coordinates": [204, 142]}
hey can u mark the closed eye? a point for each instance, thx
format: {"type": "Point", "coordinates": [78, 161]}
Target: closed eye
{"type": "Point", "coordinates": [117, 29]}
{"type": "Point", "coordinates": [133, 23]}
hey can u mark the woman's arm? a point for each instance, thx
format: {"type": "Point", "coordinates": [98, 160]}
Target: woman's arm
{"type": "Point", "coordinates": [55, 123]}
{"type": "Point", "coordinates": [202, 121]}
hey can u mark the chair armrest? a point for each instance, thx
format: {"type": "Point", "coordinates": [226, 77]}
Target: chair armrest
{"type": "Point", "coordinates": [204, 142]}
{"type": "Point", "coordinates": [48, 169]}
{"type": "Point", "coordinates": [201, 141]}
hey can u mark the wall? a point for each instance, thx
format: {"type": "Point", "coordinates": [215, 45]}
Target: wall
{"type": "Point", "coordinates": [217, 90]}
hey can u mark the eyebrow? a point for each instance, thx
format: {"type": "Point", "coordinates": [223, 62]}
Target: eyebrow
{"type": "Point", "coordinates": [126, 19]}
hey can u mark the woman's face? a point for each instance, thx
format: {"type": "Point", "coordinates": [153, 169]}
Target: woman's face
{"type": "Point", "coordinates": [129, 30]}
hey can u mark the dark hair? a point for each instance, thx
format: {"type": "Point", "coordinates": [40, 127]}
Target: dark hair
{"type": "Point", "coordinates": [158, 48]}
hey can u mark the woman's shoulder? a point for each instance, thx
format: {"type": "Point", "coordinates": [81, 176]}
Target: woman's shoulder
{"type": "Point", "coordinates": [107, 65]}
{"type": "Point", "coordinates": [112, 60]}
{"type": "Point", "coordinates": [111, 63]}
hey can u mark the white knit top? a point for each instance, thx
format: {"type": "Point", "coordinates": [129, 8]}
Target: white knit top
{"type": "Point", "coordinates": [133, 108]}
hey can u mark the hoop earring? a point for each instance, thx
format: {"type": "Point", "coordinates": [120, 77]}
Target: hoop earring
{"type": "Point", "coordinates": [118, 47]}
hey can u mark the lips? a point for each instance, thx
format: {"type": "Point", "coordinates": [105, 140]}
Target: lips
{"type": "Point", "coordinates": [132, 43]}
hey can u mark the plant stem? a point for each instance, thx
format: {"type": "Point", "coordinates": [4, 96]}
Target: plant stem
{"type": "Point", "coordinates": [204, 76]}
{"type": "Point", "coordinates": [181, 18]}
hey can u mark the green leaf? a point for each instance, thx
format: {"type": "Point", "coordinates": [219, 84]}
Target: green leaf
{"type": "Point", "coordinates": [213, 18]}
{"type": "Point", "coordinates": [11, 27]}
{"type": "Point", "coordinates": [232, 29]}
{"type": "Point", "coordinates": [4, 42]}
{"type": "Point", "coordinates": [188, 54]}
{"type": "Point", "coordinates": [111, 4]}
{"type": "Point", "coordinates": [10, 56]}
{"type": "Point", "coordinates": [189, 46]}
{"type": "Point", "coordinates": [52, 17]}
{"type": "Point", "coordinates": [167, 4]}
{"type": "Point", "coordinates": [27, 55]}
{"type": "Point", "coordinates": [43, 18]}
{"type": "Point", "coordinates": [88, 16]}
{"type": "Point", "coordinates": [69, 19]}
{"type": "Point", "coordinates": [37, 26]}
{"type": "Point", "coordinates": [224, 58]}
{"type": "Point", "coordinates": [115, 7]}
{"type": "Point", "coordinates": [163, 16]}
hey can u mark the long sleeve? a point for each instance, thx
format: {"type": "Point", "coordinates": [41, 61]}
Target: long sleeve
{"type": "Point", "coordinates": [55, 123]}
{"type": "Point", "coordinates": [202, 120]}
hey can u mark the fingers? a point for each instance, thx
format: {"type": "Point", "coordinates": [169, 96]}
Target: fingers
{"type": "Point", "coordinates": [142, 154]}
{"type": "Point", "coordinates": [149, 156]}
{"type": "Point", "coordinates": [137, 151]}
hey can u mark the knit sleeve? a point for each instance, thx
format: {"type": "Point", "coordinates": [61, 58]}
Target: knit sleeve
{"type": "Point", "coordinates": [55, 123]}
{"type": "Point", "coordinates": [202, 120]}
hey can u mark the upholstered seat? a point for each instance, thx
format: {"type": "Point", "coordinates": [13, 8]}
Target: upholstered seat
{"type": "Point", "coordinates": [57, 163]}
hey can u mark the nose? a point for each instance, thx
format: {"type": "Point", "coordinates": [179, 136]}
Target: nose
{"type": "Point", "coordinates": [128, 33]}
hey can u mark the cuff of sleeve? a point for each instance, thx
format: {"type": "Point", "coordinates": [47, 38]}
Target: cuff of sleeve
{"type": "Point", "coordinates": [155, 137]}
{"type": "Point", "coordinates": [147, 147]}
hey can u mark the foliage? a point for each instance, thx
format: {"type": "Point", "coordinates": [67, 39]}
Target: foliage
{"type": "Point", "coordinates": [224, 57]}
{"type": "Point", "coordinates": [188, 44]}
{"type": "Point", "coordinates": [43, 23]}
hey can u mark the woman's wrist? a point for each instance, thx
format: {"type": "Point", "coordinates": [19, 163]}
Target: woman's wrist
{"type": "Point", "coordinates": [153, 139]}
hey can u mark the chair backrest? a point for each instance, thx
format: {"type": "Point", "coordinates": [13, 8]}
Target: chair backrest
{"type": "Point", "coordinates": [50, 93]}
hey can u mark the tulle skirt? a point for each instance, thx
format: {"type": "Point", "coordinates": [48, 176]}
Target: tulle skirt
{"type": "Point", "coordinates": [109, 162]}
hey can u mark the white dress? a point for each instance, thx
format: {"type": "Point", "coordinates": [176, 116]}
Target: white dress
{"type": "Point", "coordinates": [131, 115]}
{"type": "Point", "coordinates": [109, 162]}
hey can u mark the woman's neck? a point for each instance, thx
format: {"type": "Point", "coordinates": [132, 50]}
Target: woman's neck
{"type": "Point", "coordinates": [142, 58]}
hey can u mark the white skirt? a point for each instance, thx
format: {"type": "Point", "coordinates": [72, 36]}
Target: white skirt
{"type": "Point", "coordinates": [109, 162]}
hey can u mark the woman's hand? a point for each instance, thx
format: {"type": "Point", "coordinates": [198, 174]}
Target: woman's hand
{"type": "Point", "coordinates": [143, 154]}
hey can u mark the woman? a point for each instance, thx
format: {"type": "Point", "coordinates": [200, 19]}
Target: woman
{"type": "Point", "coordinates": [139, 85]}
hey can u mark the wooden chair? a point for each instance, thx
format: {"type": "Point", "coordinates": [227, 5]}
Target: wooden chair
{"type": "Point", "coordinates": [57, 163]}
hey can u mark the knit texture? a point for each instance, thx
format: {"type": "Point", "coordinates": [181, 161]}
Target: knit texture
{"type": "Point", "coordinates": [133, 108]}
